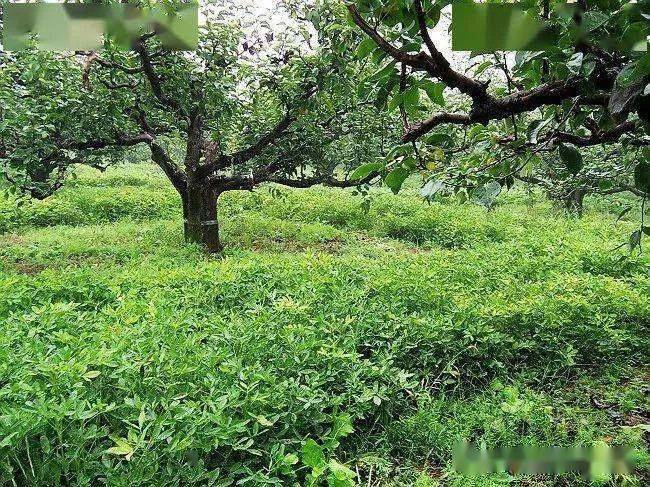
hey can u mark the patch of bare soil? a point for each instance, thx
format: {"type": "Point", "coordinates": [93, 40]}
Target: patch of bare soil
{"type": "Point", "coordinates": [28, 268]}
{"type": "Point", "coordinates": [332, 246]}
{"type": "Point", "coordinates": [13, 239]}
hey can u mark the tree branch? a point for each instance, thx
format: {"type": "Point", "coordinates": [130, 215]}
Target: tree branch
{"type": "Point", "coordinates": [485, 107]}
{"type": "Point", "coordinates": [324, 180]}
{"type": "Point", "coordinates": [424, 33]}
{"type": "Point", "coordinates": [120, 67]}
{"type": "Point", "coordinates": [117, 86]}
{"type": "Point", "coordinates": [120, 141]}
{"type": "Point", "coordinates": [419, 129]}
{"type": "Point", "coordinates": [435, 64]}
{"type": "Point", "coordinates": [171, 170]}
{"type": "Point", "coordinates": [609, 136]}
{"type": "Point", "coordinates": [279, 130]}
{"type": "Point", "coordinates": [520, 102]}
{"type": "Point", "coordinates": [154, 79]}
{"type": "Point", "coordinates": [264, 141]}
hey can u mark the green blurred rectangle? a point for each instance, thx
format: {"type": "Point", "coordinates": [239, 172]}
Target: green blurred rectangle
{"type": "Point", "coordinates": [597, 461]}
{"type": "Point", "coordinates": [485, 28]}
{"type": "Point", "coordinates": [82, 27]}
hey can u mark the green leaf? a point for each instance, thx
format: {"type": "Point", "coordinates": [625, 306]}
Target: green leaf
{"type": "Point", "coordinates": [487, 194]}
{"type": "Point", "coordinates": [623, 213]}
{"type": "Point", "coordinates": [437, 154]}
{"type": "Point", "coordinates": [412, 47]}
{"type": "Point", "coordinates": [395, 101]}
{"type": "Point", "coordinates": [6, 441]}
{"type": "Point", "coordinates": [482, 67]}
{"type": "Point", "coordinates": [646, 230]}
{"type": "Point", "coordinates": [623, 97]}
{"type": "Point", "coordinates": [313, 455]}
{"type": "Point", "coordinates": [434, 91]}
{"type": "Point", "coordinates": [365, 170]}
{"type": "Point", "coordinates": [533, 130]}
{"type": "Point", "coordinates": [410, 163]}
{"type": "Point", "coordinates": [593, 19]}
{"type": "Point", "coordinates": [440, 139]}
{"type": "Point", "coordinates": [642, 177]}
{"type": "Point", "coordinates": [91, 374]}
{"type": "Point", "coordinates": [366, 47]}
{"type": "Point", "coordinates": [477, 131]}
{"type": "Point", "coordinates": [264, 422]}
{"type": "Point", "coordinates": [397, 151]}
{"type": "Point", "coordinates": [588, 68]}
{"type": "Point", "coordinates": [431, 188]}
{"type": "Point", "coordinates": [384, 91]}
{"type": "Point", "coordinates": [383, 72]}
{"type": "Point", "coordinates": [633, 72]}
{"type": "Point", "coordinates": [122, 447]}
{"type": "Point", "coordinates": [575, 62]}
{"type": "Point", "coordinates": [340, 471]}
{"type": "Point", "coordinates": [342, 426]}
{"type": "Point", "coordinates": [571, 158]}
{"type": "Point", "coordinates": [332, 481]}
{"type": "Point", "coordinates": [396, 178]}
{"type": "Point", "coordinates": [411, 98]}
{"type": "Point", "coordinates": [290, 459]}
{"type": "Point", "coordinates": [340, 474]}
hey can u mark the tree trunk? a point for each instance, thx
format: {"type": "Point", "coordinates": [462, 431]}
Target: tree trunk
{"type": "Point", "coordinates": [200, 213]}
{"type": "Point", "coordinates": [574, 201]}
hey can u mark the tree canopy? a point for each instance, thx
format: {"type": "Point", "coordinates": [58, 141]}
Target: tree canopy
{"type": "Point", "coordinates": [550, 105]}
{"type": "Point", "coordinates": [327, 93]}
{"type": "Point", "coordinates": [251, 105]}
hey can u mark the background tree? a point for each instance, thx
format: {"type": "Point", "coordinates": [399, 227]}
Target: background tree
{"type": "Point", "coordinates": [253, 104]}
{"type": "Point", "coordinates": [537, 121]}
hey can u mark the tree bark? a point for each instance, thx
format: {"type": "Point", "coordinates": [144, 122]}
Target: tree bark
{"type": "Point", "coordinates": [200, 215]}
{"type": "Point", "coordinates": [574, 201]}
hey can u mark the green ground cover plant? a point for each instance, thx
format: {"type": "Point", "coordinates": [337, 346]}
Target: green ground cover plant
{"type": "Point", "coordinates": [327, 344]}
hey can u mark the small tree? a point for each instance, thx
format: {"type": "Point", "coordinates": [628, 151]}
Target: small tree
{"type": "Point", "coordinates": [250, 106]}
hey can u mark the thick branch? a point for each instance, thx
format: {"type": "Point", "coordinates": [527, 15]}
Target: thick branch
{"type": "Point", "coordinates": [256, 149]}
{"type": "Point", "coordinates": [266, 175]}
{"type": "Point", "coordinates": [485, 107]}
{"type": "Point", "coordinates": [154, 80]}
{"type": "Point", "coordinates": [279, 130]}
{"type": "Point", "coordinates": [119, 141]}
{"type": "Point", "coordinates": [419, 129]}
{"type": "Point", "coordinates": [520, 102]}
{"type": "Point", "coordinates": [621, 189]}
{"type": "Point", "coordinates": [435, 64]}
{"type": "Point", "coordinates": [112, 65]}
{"type": "Point", "coordinates": [424, 33]}
{"type": "Point", "coordinates": [324, 180]}
{"type": "Point", "coordinates": [609, 136]}
{"type": "Point", "coordinates": [547, 94]}
{"type": "Point", "coordinates": [194, 142]}
{"type": "Point", "coordinates": [173, 172]}
{"type": "Point", "coordinates": [215, 162]}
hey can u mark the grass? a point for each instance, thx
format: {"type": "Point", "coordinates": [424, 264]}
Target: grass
{"type": "Point", "coordinates": [365, 344]}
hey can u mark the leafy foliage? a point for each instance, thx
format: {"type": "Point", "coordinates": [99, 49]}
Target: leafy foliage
{"type": "Point", "coordinates": [571, 118]}
{"type": "Point", "coordinates": [328, 340]}
{"type": "Point", "coordinates": [256, 102]}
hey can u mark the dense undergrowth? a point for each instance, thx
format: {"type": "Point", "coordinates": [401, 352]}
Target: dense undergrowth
{"type": "Point", "coordinates": [366, 344]}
